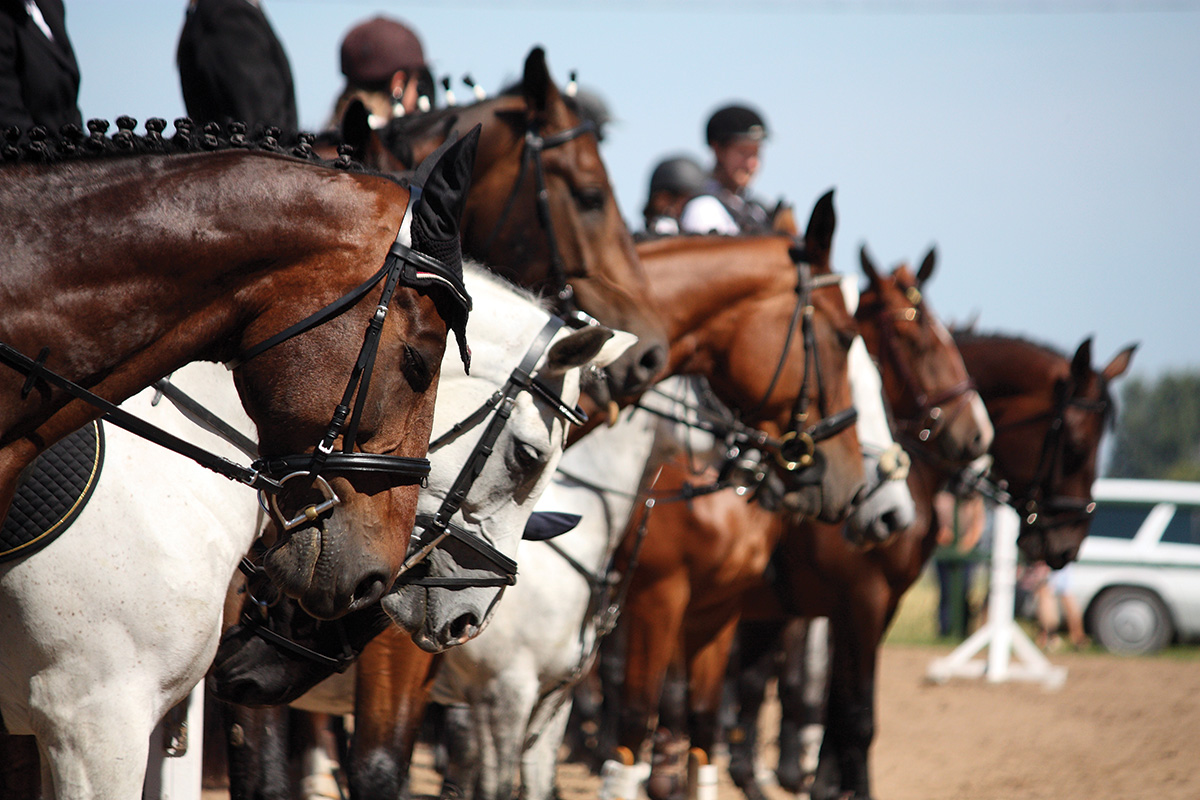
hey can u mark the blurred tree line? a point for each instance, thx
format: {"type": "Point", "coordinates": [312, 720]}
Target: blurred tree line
{"type": "Point", "coordinates": [1158, 430]}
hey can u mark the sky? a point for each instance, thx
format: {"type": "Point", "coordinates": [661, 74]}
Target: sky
{"type": "Point", "coordinates": [1049, 149]}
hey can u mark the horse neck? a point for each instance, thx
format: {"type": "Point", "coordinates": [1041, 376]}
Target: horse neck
{"type": "Point", "coordinates": [1015, 378]}
{"type": "Point", "coordinates": [704, 285]}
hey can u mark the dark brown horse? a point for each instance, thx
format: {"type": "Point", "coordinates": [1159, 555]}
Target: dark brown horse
{"type": "Point", "coordinates": [1026, 388]}
{"type": "Point", "coordinates": [121, 269]}
{"type": "Point", "coordinates": [542, 213]}
{"type": "Point", "coordinates": [923, 377]}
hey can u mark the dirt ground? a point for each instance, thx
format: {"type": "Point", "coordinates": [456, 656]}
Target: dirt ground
{"type": "Point", "coordinates": [1119, 728]}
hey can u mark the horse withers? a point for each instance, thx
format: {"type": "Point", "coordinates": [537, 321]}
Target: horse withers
{"type": "Point", "coordinates": [172, 257]}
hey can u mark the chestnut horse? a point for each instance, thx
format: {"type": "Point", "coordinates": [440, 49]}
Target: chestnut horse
{"type": "Point", "coordinates": [922, 376]}
{"type": "Point", "coordinates": [930, 393]}
{"type": "Point", "coordinates": [1049, 413]}
{"type": "Point", "coordinates": [121, 269]}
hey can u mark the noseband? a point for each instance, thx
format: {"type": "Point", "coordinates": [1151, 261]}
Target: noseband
{"type": "Point", "coordinates": [437, 527]}
{"type": "Point", "coordinates": [531, 157]}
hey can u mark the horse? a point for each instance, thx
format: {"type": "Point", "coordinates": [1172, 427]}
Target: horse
{"type": "Point", "coordinates": [67, 673]}
{"type": "Point", "coordinates": [543, 213]}
{"type": "Point", "coordinates": [931, 395]}
{"type": "Point", "coordinates": [860, 592]}
{"type": "Point", "coordinates": [1062, 407]}
{"type": "Point", "coordinates": [172, 257]}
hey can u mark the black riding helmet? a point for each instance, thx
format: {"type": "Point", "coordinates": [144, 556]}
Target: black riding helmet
{"type": "Point", "coordinates": [681, 175]}
{"type": "Point", "coordinates": [735, 122]}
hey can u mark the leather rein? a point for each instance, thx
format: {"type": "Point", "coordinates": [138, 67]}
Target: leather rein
{"type": "Point", "coordinates": [402, 265]}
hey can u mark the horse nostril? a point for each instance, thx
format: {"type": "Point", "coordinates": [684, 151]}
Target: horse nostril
{"type": "Point", "coordinates": [463, 626]}
{"type": "Point", "coordinates": [652, 361]}
{"type": "Point", "coordinates": [369, 590]}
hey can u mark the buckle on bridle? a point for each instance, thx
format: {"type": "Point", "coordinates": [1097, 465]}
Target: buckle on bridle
{"type": "Point", "coordinates": [311, 512]}
{"type": "Point", "coordinates": [796, 450]}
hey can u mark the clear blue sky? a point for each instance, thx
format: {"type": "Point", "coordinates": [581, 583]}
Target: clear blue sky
{"type": "Point", "coordinates": [1049, 148]}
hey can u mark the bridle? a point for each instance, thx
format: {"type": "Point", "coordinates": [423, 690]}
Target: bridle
{"type": "Point", "coordinates": [402, 265]}
{"type": "Point", "coordinates": [795, 451]}
{"type": "Point", "coordinates": [1040, 507]}
{"type": "Point", "coordinates": [933, 418]}
{"type": "Point", "coordinates": [531, 160]}
{"type": "Point", "coordinates": [436, 528]}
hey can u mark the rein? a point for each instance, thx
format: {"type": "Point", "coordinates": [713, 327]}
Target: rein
{"type": "Point", "coordinates": [436, 528]}
{"type": "Point", "coordinates": [268, 475]}
{"type": "Point", "coordinates": [531, 156]}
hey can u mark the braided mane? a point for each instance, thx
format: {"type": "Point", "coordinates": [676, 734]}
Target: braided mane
{"type": "Point", "coordinates": [39, 146]}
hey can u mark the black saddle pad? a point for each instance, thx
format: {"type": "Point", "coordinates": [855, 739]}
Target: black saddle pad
{"type": "Point", "coordinates": [54, 491]}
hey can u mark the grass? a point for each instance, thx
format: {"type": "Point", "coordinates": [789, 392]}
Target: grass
{"type": "Point", "coordinates": [916, 622]}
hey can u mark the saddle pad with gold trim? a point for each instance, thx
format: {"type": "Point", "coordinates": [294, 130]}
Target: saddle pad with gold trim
{"type": "Point", "coordinates": [54, 491]}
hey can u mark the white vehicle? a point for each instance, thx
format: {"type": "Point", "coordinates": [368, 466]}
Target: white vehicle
{"type": "Point", "coordinates": [1138, 574]}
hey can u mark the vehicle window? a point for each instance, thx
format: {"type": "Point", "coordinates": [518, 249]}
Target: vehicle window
{"type": "Point", "coordinates": [1117, 521]}
{"type": "Point", "coordinates": [1184, 527]}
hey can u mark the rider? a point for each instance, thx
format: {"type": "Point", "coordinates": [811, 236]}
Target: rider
{"type": "Point", "coordinates": [735, 133]}
{"type": "Point", "coordinates": [674, 182]}
{"type": "Point", "coordinates": [384, 65]}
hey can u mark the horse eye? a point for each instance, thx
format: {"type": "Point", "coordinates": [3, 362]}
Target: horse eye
{"type": "Point", "coordinates": [590, 199]}
{"type": "Point", "coordinates": [527, 455]}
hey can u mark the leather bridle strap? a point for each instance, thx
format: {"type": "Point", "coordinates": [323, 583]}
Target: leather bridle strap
{"type": "Point", "coordinates": [531, 153]}
{"type": "Point", "coordinates": [36, 370]}
{"type": "Point", "coordinates": [438, 525]}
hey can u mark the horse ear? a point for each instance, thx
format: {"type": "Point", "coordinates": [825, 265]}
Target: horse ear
{"type": "Point", "coordinates": [356, 127]}
{"type": "Point", "coordinates": [818, 237]}
{"type": "Point", "coordinates": [868, 266]}
{"type": "Point", "coordinates": [1119, 364]}
{"type": "Point", "coordinates": [927, 266]}
{"type": "Point", "coordinates": [1081, 364]}
{"type": "Point", "coordinates": [446, 178]}
{"type": "Point", "coordinates": [594, 344]}
{"type": "Point", "coordinates": [536, 85]}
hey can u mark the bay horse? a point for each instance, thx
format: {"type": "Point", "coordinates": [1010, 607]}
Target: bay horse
{"type": "Point", "coordinates": [172, 257]}
{"type": "Point", "coordinates": [926, 363]}
{"type": "Point", "coordinates": [95, 656]}
{"type": "Point", "coordinates": [543, 213]}
{"type": "Point", "coordinates": [860, 591]}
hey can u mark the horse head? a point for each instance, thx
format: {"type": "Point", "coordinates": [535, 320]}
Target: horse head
{"type": "Point", "coordinates": [935, 405]}
{"type": "Point", "coordinates": [542, 212]}
{"type": "Point", "coordinates": [1050, 414]}
{"type": "Point", "coordinates": [342, 519]}
{"type": "Point", "coordinates": [448, 597]}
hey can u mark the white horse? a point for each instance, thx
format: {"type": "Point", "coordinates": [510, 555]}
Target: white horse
{"type": "Point", "coordinates": [516, 680]}
{"type": "Point", "coordinates": [112, 624]}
